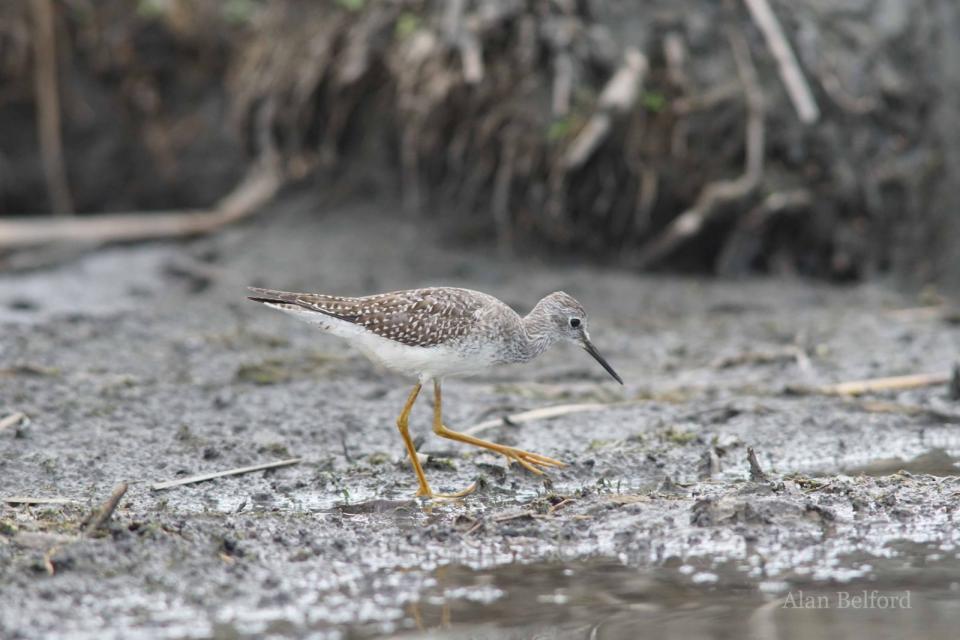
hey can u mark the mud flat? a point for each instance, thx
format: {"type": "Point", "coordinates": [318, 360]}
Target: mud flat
{"type": "Point", "coordinates": [145, 364]}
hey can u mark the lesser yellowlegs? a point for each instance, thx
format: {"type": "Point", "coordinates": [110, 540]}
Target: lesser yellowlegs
{"type": "Point", "coordinates": [443, 331]}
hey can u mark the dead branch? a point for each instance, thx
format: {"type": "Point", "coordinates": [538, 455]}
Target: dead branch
{"type": "Point", "coordinates": [30, 500]}
{"type": "Point", "coordinates": [540, 414]}
{"type": "Point", "coordinates": [618, 96]}
{"type": "Point", "coordinates": [627, 498]}
{"type": "Point", "coordinates": [453, 19]}
{"type": "Point", "coordinates": [529, 513]}
{"type": "Point", "coordinates": [260, 185]}
{"type": "Point", "coordinates": [47, 97]}
{"type": "Point", "coordinates": [790, 73]}
{"type": "Point", "coordinates": [716, 194]}
{"type": "Point", "coordinates": [472, 56]}
{"type": "Point", "coordinates": [949, 314]}
{"type": "Point", "coordinates": [99, 517]}
{"type": "Point", "coordinates": [48, 560]}
{"type": "Point", "coordinates": [221, 474]}
{"type": "Point", "coordinates": [562, 83]}
{"type": "Point", "coordinates": [12, 420]}
{"type": "Point", "coordinates": [675, 53]}
{"type": "Point", "coordinates": [646, 200]}
{"type": "Point", "coordinates": [875, 385]}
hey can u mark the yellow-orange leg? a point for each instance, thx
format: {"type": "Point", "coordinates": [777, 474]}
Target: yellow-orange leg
{"type": "Point", "coordinates": [530, 461]}
{"type": "Point", "coordinates": [402, 425]}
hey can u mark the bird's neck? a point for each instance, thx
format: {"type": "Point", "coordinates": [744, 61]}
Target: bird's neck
{"type": "Point", "coordinates": [539, 331]}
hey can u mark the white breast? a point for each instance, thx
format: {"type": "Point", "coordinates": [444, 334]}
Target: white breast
{"type": "Point", "coordinates": [424, 363]}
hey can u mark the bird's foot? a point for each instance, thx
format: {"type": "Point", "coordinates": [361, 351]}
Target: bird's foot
{"type": "Point", "coordinates": [530, 461]}
{"type": "Point", "coordinates": [427, 492]}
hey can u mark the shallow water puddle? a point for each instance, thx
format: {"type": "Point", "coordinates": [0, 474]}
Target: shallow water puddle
{"type": "Point", "coordinates": [936, 462]}
{"type": "Point", "coordinates": [603, 599]}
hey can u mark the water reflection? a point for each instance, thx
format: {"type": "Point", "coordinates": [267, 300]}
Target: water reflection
{"type": "Point", "coordinates": [603, 599]}
{"type": "Point", "coordinates": [936, 462]}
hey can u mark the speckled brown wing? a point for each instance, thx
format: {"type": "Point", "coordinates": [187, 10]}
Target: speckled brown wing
{"type": "Point", "coordinates": [417, 317]}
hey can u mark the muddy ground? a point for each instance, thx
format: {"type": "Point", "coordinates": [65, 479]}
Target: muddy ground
{"type": "Point", "coordinates": [145, 364]}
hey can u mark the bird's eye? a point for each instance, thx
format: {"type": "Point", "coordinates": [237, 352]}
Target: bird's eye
{"type": "Point", "coordinates": [574, 322]}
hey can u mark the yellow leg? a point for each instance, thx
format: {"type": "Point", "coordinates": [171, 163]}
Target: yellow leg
{"type": "Point", "coordinates": [402, 425]}
{"type": "Point", "coordinates": [530, 461]}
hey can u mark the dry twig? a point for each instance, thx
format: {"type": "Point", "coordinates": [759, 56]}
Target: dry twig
{"type": "Point", "coordinates": [29, 500]}
{"type": "Point", "coordinates": [894, 383]}
{"type": "Point", "coordinates": [246, 198]}
{"type": "Point", "coordinates": [12, 420]}
{"type": "Point", "coordinates": [627, 498]}
{"type": "Point", "coordinates": [538, 414]}
{"type": "Point", "coordinates": [48, 105]}
{"type": "Point", "coordinates": [99, 517]}
{"type": "Point", "coordinates": [949, 314]}
{"type": "Point", "coordinates": [515, 516]}
{"type": "Point", "coordinates": [220, 474]}
{"type": "Point", "coordinates": [790, 73]}
{"type": "Point", "coordinates": [48, 560]}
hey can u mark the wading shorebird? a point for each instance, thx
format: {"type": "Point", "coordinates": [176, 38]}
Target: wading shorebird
{"type": "Point", "coordinates": [443, 331]}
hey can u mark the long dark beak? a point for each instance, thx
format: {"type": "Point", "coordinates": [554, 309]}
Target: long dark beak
{"type": "Point", "coordinates": [592, 350]}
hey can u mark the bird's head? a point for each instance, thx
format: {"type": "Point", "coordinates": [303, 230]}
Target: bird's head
{"type": "Point", "coordinates": [567, 319]}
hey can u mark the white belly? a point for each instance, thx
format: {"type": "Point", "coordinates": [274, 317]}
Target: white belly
{"type": "Point", "coordinates": [424, 363]}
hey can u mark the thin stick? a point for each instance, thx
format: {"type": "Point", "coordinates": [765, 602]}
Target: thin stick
{"type": "Point", "coordinates": [790, 73]}
{"type": "Point", "coordinates": [932, 312]}
{"type": "Point", "coordinates": [472, 57]}
{"type": "Point", "coordinates": [538, 414]}
{"type": "Point", "coordinates": [12, 420]}
{"type": "Point", "coordinates": [626, 498]}
{"type": "Point", "coordinates": [220, 474]}
{"type": "Point", "coordinates": [560, 505]}
{"type": "Point", "coordinates": [474, 528]}
{"type": "Point", "coordinates": [894, 383]}
{"type": "Point", "coordinates": [562, 83]}
{"type": "Point", "coordinates": [29, 500]}
{"type": "Point", "coordinates": [514, 516]}
{"type": "Point", "coordinates": [246, 198]}
{"type": "Point", "coordinates": [48, 559]}
{"type": "Point", "coordinates": [101, 515]}
{"type": "Point", "coordinates": [47, 97]}
{"type": "Point", "coordinates": [756, 473]}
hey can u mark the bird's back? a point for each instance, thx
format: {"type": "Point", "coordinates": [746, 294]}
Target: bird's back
{"type": "Point", "coordinates": [414, 317]}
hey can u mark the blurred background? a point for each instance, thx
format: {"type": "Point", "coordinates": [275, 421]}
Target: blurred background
{"type": "Point", "coordinates": [807, 138]}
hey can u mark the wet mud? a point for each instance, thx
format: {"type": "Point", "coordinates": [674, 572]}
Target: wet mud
{"type": "Point", "coordinates": [145, 364]}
